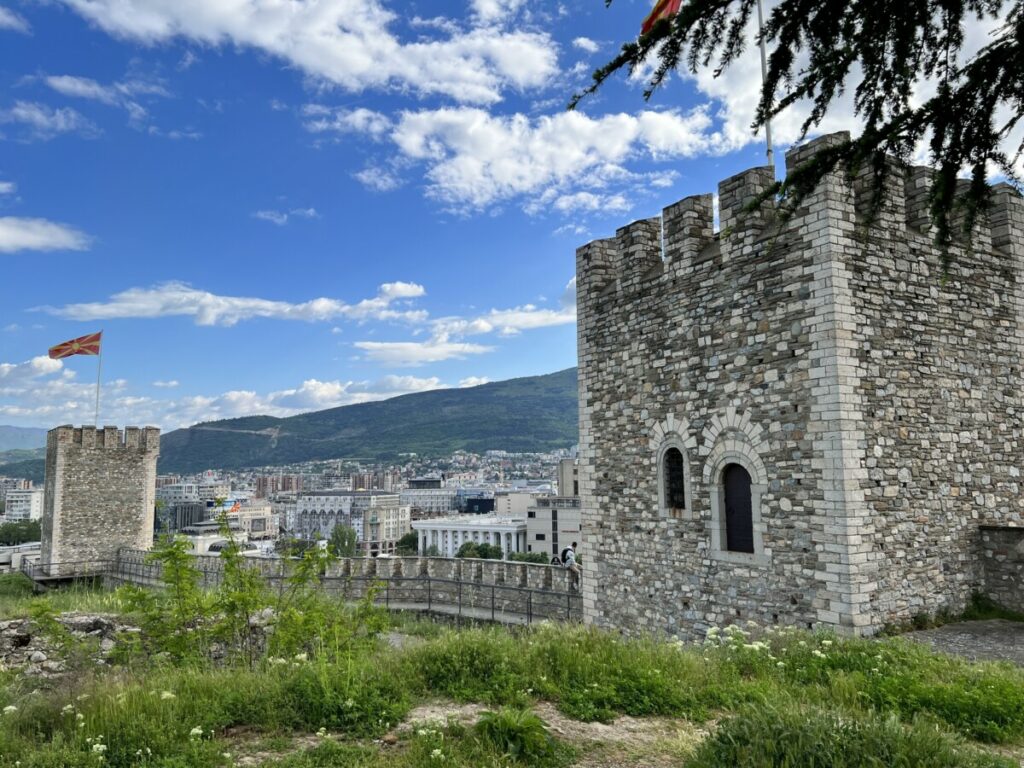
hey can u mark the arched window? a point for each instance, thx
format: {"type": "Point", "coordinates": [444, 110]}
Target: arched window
{"type": "Point", "coordinates": [673, 474]}
{"type": "Point", "coordinates": [739, 520]}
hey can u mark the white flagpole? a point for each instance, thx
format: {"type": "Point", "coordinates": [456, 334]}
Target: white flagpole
{"type": "Point", "coordinates": [764, 79]}
{"type": "Point", "coordinates": [99, 368]}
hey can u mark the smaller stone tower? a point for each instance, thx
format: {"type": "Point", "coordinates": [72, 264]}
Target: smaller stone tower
{"type": "Point", "coordinates": [99, 494]}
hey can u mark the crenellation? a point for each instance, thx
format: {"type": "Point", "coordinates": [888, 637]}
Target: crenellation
{"type": "Point", "coordinates": [874, 402]}
{"type": "Point", "coordinates": [688, 229]}
{"type": "Point", "coordinates": [639, 248]}
{"type": "Point", "coordinates": [917, 186]}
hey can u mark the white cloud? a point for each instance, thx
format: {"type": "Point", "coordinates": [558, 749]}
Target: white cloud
{"type": "Point", "coordinates": [473, 381]}
{"type": "Point", "coordinates": [586, 44]}
{"type": "Point", "coordinates": [166, 384]}
{"type": "Point", "coordinates": [412, 353]}
{"type": "Point", "coordinates": [280, 218]}
{"type": "Point", "coordinates": [345, 42]}
{"type": "Point", "coordinates": [12, 21]}
{"type": "Point", "coordinates": [125, 94]}
{"type": "Point", "coordinates": [43, 122]}
{"type": "Point", "coordinates": [41, 392]}
{"type": "Point", "coordinates": [8, 187]}
{"type": "Point", "coordinates": [590, 202]}
{"type": "Point", "coordinates": [475, 159]}
{"type": "Point", "coordinates": [321, 119]}
{"type": "Point", "coordinates": [492, 11]}
{"type": "Point", "coordinates": [378, 179]}
{"type": "Point", "coordinates": [180, 299]}
{"type": "Point", "coordinates": [22, 234]}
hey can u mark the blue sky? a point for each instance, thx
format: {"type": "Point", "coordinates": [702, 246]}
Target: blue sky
{"type": "Point", "coordinates": [272, 207]}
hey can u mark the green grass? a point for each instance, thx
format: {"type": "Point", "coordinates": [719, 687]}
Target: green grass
{"type": "Point", "coordinates": [788, 698]}
{"type": "Point", "coordinates": [17, 596]}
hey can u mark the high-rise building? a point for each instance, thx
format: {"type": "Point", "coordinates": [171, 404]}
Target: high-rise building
{"type": "Point", "coordinates": [22, 505]}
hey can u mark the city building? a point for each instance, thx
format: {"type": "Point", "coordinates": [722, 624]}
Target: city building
{"type": "Point", "coordinates": [568, 481]}
{"type": "Point", "coordinates": [420, 483]}
{"type": "Point", "coordinates": [23, 505]}
{"type": "Point", "coordinates": [177, 493]}
{"type": "Point", "coordinates": [552, 524]}
{"type": "Point", "coordinates": [811, 420]}
{"type": "Point", "coordinates": [256, 519]}
{"type": "Point", "coordinates": [445, 535]}
{"type": "Point", "coordinates": [429, 502]}
{"type": "Point", "coordinates": [513, 503]}
{"type": "Point", "coordinates": [378, 518]}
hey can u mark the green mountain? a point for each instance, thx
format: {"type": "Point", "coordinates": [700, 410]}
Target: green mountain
{"type": "Point", "coordinates": [535, 413]}
{"type": "Point", "coordinates": [31, 469]}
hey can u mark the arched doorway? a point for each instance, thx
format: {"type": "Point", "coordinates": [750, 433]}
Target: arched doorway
{"type": "Point", "coordinates": [739, 520]}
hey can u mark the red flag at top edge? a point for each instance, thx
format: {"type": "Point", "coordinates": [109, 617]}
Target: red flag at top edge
{"type": "Point", "coordinates": [663, 9]}
{"type": "Point", "coordinates": [83, 345]}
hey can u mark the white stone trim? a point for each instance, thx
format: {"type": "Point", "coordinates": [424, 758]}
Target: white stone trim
{"type": "Point", "coordinates": [734, 448]}
{"type": "Point", "coordinates": [672, 432]}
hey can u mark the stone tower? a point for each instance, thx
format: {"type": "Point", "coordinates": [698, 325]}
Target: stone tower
{"type": "Point", "coordinates": [100, 489]}
{"type": "Point", "coordinates": [797, 422]}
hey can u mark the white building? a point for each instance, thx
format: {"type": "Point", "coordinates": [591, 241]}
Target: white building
{"type": "Point", "coordinates": [513, 503]}
{"type": "Point", "coordinates": [429, 501]}
{"type": "Point", "coordinates": [257, 519]}
{"type": "Point", "coordinates": [447, 534]}
{"type": "Point", "coordinates": [23, 505]}
{"type": "Point", "coordinates": [178, 493]}
{"type": "Point", "coordinates": [552, 524]}
{"type": "Point", "coordinates": [379, 518]}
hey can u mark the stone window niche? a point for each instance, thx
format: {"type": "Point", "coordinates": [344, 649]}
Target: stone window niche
{"type": "Point", "coordinates": [673, 479]}
{"type": "Point", "coordinates": [736, 482]}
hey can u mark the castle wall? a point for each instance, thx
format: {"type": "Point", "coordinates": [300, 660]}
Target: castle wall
{"type": "Point", "coordinates": [762, 347]}
{"type": "Point", "coordinates": [99, 495]}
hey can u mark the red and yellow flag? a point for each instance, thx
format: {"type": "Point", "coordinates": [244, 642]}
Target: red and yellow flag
{"type": "Point", "coordinates": [663, 9]}
{"type": "Point", "coordinates": [83, 345]}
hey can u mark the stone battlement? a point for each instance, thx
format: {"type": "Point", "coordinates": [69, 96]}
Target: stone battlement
{"type": "Point", "coordinates": [799, 421]}
{"type": "Point", "coordinates": [683, 239]}
{"type": "Point", "coordinates": [140, 439]}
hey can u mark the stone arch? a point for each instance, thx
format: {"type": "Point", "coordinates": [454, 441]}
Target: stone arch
{"type": "Point", "coordinates": [735, 441]}
{"type": "Point", "coordinates": [670, 441]}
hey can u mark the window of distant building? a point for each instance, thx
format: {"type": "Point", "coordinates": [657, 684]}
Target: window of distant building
{"type": "Point", "coordinates": [673, 478]}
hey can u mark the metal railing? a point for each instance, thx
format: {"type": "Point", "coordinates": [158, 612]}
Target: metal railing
{"type": "Point", "coordinates": [463, 599]}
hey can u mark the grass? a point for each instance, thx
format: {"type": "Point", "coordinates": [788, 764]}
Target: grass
{"type": "Point", "coordinates": [783, 698]}
{"type": "Point", "coordinates": [17, 595]}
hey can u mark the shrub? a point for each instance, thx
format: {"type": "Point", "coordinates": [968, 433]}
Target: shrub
{"type": "Point", "coordinates": [798, 737]}
{"type": "Point", "coordinates": [529, 557]}
{"type": "Point", "coordinates": [518, 733]}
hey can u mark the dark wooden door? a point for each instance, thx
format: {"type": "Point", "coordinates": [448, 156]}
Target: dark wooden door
{"type": "Point", "coordinates": [739, 521]}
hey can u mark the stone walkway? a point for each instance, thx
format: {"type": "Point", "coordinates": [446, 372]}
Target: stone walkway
{"type": "Point", "coordinates": [991, 640]}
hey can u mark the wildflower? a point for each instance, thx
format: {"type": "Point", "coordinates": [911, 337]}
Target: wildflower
{"type": "Point", "coordinates": [226, 755]}
{"type": "Point", "coordinates": [99, 748]}
{"type": "Point", "coordinates": [301, 656]}
{"type": "Point", "coordinates": [167, 695]}
{"type": "Point", "coordinates": [82, 696]}
{"type": "Point", "coordinates": [349, 703]}
{"type": "Point", "coordinates": [437, 754]}
{"type": "Point", "coordinates": [826, 643]}
{"type": "Point", "coordinates": [67, 709]}
{"type": "Point", "coordinates": [780, 664]}
{"type": "Point", "coordinates": [819, 654]}
{"type": "Point", "coordinates": [275, 660]}
{"type": "Point", "coordinates": [322, 733]}
{"type": "Point", "coordinates": [9, 709]}
{"type": "Point", "coordinates": [196, 733]}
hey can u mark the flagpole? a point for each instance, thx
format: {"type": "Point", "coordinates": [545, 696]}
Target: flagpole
{"type": "Point", "coordinates": [764, 79]}
{"type": "Point", "coordinates": [99, 369]}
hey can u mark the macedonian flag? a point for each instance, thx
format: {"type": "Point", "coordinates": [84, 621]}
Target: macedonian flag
{"type": "Point", "coordinates": [83, 345]}
{"type": "Point", "coordinates": [663, 9]}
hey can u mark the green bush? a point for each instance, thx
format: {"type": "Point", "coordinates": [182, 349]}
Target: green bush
{"type": "Point", "coordinates": [519, 734]}
{"type": "Point", "coordinates": [792, 736]}
{"type": "Point", "coordinates": [530, 557]}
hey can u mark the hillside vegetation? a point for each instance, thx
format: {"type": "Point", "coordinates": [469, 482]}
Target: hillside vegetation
{"type": "Point", "coordinates": [536, 413]}
{"type": "Point", "coordinates": [201, 684]}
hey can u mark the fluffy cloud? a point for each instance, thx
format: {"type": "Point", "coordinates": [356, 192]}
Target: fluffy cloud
{"type": "Point", "coordinates": [476, 159]}
{"type": "Point", "coordinates": [586, 44]}
{"type": "Point", "coordinates": [493, 11]}
{"type": "Point", "coordinates": [180, 299]}
{"type": "Point", "coordinates": [345, 42]}
{"type": "Point", "coordinates": [21, 234]}
{"type": "Point", "coordinates": [473, 381]}
{"type": "Point", "coordinates": [412, 353]}
{"type": "Point", "coordinates": [42, 123]}
{"type": "Point", "coordinates": [321, 119]}
{"type": "Point", "coordinates": [12, 21]}
{"type": "Point", "coordinates": [280, 218]}
{"type": "Point", "coordinates": [166, 384]}
{"type": "Point", "coordinates": [41, 392]}
{"type": "Point", "coordinates": [8, 187]}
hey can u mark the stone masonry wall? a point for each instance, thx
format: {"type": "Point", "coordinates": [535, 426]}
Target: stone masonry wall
{"type": "Point", "coordinates": [100, 488]}
{"type": "Point", "coordinates": [1002, 550]}
{"type": "Point", "coordinates": [761, 346]}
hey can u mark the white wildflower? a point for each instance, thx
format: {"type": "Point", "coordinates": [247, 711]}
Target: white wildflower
{"type": "Point", "coordinates": [9, 709]}
{"type": "Point", "coordinates": [196, 733]}
{"type": "Point", "coordinates": [99, 748]}
{"type": "Point", "coordinates": [167, 695]}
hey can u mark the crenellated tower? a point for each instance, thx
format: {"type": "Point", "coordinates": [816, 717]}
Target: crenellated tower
{"type": "Point", "coordinates": [99, 494]}
{"type": "Point", "coordinates": [797, 422]}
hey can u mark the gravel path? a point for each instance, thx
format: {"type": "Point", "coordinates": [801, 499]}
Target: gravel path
{"type": "Point", "coordinates": [991, 640]}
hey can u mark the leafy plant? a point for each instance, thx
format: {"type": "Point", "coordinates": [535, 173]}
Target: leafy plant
{"type": "Point", "coordinates": [518, 733]}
